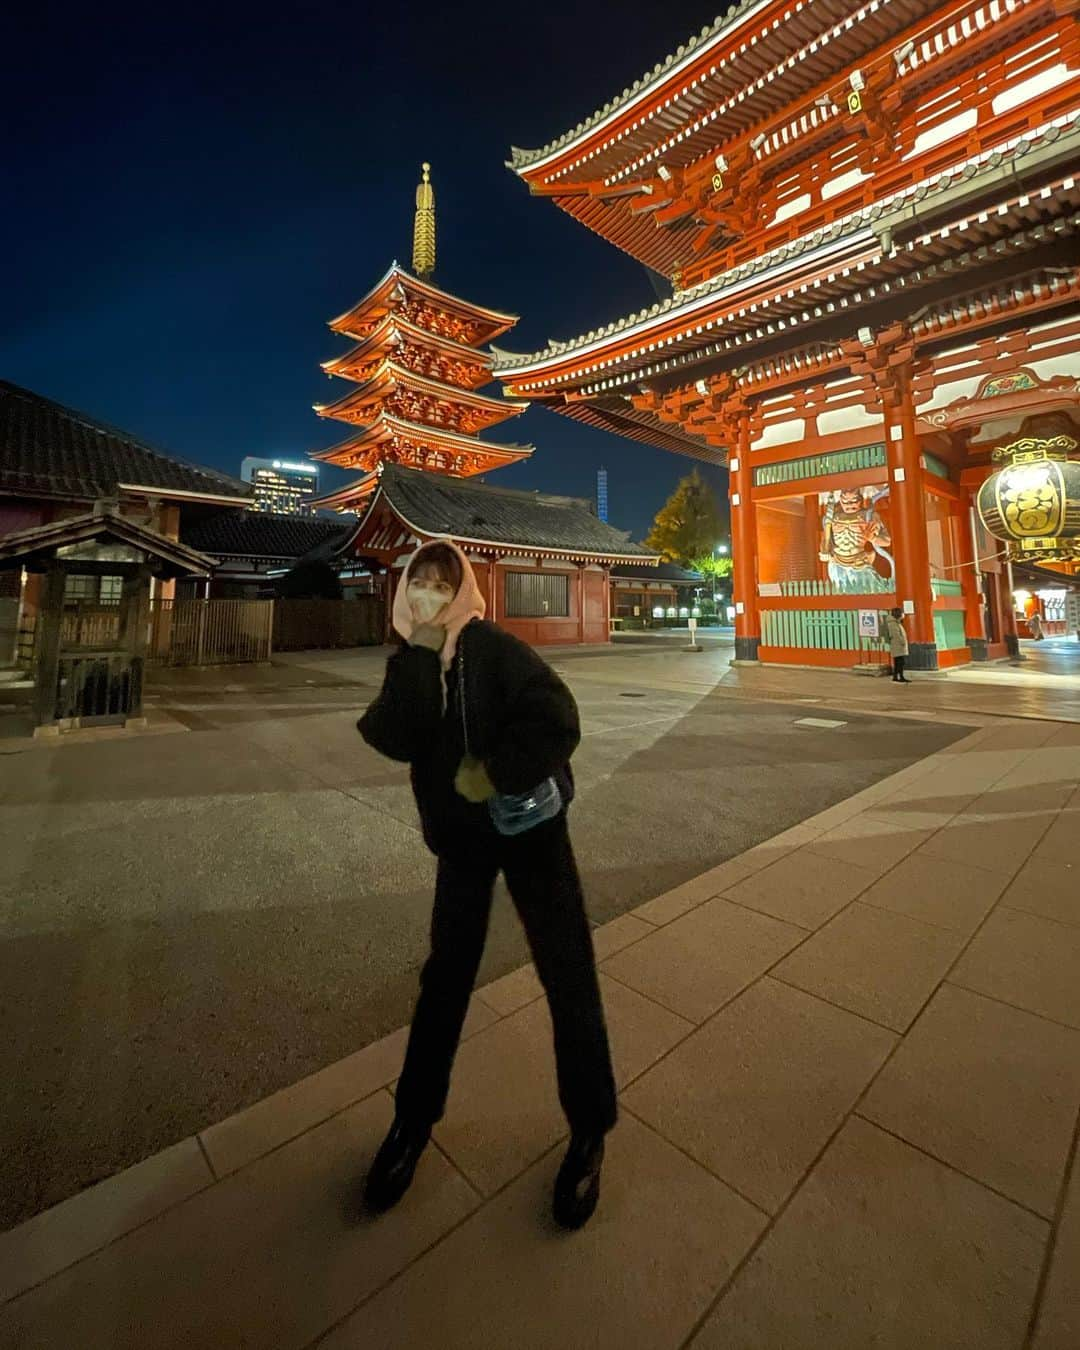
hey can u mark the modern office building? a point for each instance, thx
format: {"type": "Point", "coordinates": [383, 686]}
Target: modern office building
{"type": "Point", "coordinates": [282, 488]}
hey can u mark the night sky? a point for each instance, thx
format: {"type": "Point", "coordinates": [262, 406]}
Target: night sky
{"type": "Point", "coordinates": [192, 193]}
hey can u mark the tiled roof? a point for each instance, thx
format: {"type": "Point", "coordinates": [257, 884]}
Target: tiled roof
{"type": "Point", "coordinates": [521, 159]}
{"type": "Point", "coordinates": [49, 450]}
{"type": "Point", "coordinates": [169, 557]}
{"type": "Point", "coordinates": [433, 504]}
{"type": "Point", "coordinates": [988, 166]}
{"type": "Point", "coordinates": [256, 534]}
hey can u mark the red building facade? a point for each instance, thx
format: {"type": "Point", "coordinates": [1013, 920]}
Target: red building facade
{"type": "Point", "coordinates": [868, 215]}
{"type": "Point", "coordinates": [542, 562]}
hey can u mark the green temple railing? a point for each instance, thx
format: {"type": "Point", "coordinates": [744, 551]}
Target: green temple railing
{"type": "Point", "coordinates": [838, 630]}
{"type": "Point", "coordinates": [817, 466]}
{"type": "Point", "coordinates": [817, 629]}
{"type": "Point", "coordinates": [940, 587]}
{"type": "Point", "coordinates": [817, 586]}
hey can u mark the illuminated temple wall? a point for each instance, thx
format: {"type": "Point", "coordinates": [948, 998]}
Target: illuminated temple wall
{"type": "Point", "coordinates": [819, 457]}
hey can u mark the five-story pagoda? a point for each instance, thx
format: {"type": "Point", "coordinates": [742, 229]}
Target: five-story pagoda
{"type": "Point", "coordinates": [417, 366]}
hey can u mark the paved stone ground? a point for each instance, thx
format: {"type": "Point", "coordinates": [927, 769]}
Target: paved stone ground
{"type": "Point", "coordinates": [193, 919]}
{"type": "Point", "coordinates": [849, 1061]}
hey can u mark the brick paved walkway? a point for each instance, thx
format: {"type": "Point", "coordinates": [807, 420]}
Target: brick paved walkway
{"type": "Point", "coordinates": [850, 1073]}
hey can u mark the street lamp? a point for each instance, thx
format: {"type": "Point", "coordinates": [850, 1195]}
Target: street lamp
{"type": "Point", "coordinates": [718, 552]}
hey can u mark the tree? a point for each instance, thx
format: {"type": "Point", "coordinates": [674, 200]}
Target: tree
{"type": "Point", "coordinates": [712, 568]}
{"type": "Point", "coordinates": [709, 565]}
{"type": "Point", "coordinates": [689, 525]}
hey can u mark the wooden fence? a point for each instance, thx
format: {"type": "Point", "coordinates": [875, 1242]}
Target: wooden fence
{"type": "Point", "coordinates": [301, 624]}
{"type": "Point", "coordinates": [179, 632]}
{"type": "Point", "coordinates": [220, 632]}
{"type": "Point", "coordinates": [210, 632]}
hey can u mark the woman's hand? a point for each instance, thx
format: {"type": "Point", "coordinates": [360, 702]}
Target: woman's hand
{"type": "Point", "coordinates": [430, 635]}
{"type": "Point", "coordinates": [472, 781]}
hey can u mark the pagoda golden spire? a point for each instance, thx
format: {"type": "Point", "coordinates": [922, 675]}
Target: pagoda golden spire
{"type": "Point", "coordinates": [423, 257]}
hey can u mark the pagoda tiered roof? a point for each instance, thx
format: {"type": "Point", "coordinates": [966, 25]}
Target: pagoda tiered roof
{"type": "Point", "coordinates": [420, 447]}
{"type": "Point", "coordinates": [417, 349]}
{"type": "Point", "coordinates": [425, 306]}
{"type": "Point", "coordinates": [417, 369]}
{"type": "Point", "coordinates": [415, 398]}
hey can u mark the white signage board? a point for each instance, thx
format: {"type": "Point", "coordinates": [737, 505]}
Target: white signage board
{"type": "Point", "coordinates": [868, 623]}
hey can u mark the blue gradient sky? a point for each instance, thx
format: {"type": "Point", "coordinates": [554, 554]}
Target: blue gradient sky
{"type": "Point", "coordinates": [191, 195]}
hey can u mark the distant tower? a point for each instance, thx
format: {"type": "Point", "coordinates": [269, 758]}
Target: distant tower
{"type": "Point", "coordinates": [423, 238]}
{"type": "Point", "coordinates": [601, 494]}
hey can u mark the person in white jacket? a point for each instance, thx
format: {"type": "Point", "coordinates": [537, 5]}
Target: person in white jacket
{"type": "Point", "coordinates": [898, 644]}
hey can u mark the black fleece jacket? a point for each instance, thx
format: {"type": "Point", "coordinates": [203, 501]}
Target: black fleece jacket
{"type": "Point", "coordinates": [519, 718]}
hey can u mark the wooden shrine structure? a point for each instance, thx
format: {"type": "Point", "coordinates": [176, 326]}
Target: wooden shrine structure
{"type": "Point", "coordinates": [868, 216]}
{"type": "Point", "coordinates": [88, 668]}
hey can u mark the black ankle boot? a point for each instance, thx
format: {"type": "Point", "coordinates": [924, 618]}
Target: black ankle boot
{"type": "Point", "coordinates": [577, 1187]}
{"type": "Point", "coordinates": [392, 1171]}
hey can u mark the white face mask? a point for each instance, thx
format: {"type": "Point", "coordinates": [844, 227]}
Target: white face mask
{"type": "Point", "coordinates": [425, 602]}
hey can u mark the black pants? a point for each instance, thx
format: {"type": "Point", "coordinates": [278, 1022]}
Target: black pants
{"type": "Point", "coordinates": [543, 881]}
{"type": "Point", "coordinates": [898, 663]}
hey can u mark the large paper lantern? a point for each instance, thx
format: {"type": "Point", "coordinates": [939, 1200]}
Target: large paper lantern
{"type": "Point", "coordinates": [1033, 504]}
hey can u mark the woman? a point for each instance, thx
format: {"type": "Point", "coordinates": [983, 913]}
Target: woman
{"type": "Point", "coordinates": [480, 717]}
{"type": "Point", "coordinates": [898, 644]}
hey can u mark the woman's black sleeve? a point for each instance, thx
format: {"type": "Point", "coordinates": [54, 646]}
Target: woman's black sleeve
{"type": "Point", "coordinates": [404, 719]}
{"type": "Point", "coordinates": [540, 732]}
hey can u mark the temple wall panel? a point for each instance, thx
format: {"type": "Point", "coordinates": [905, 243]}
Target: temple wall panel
{"type": "Point", "coordinates": [589, 597]}
{"type": "Point", "coordinates": [787, 541]}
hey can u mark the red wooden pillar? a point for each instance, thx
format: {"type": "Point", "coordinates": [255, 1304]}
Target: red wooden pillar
{"type": "Point", "coordinates": [493, 589]}
{"type": "Point", "coordinates": [581, 602]}
{"type": "Point", "coordinates": [974, 622]}
{"type": "Point", "coordinates": [913, 588]}
{"type": "Point", "coordinates": [1010, 631]}
{"type": "Point", "coordinates": [744, 541]}
{"type": "Point", "coordinates": [887, 358]}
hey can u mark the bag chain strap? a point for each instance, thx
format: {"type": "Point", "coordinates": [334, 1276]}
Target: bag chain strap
{"type": "Point", "coordinates": [461, 689]}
